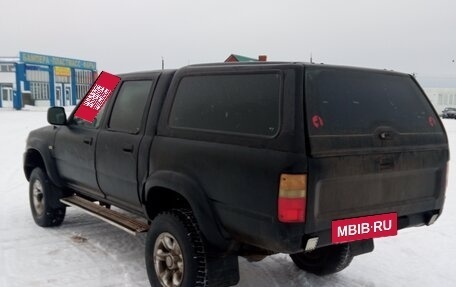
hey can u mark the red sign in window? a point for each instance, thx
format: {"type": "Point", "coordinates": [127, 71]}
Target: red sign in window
{"type": "Point", "coordinates": [366, 227]}
{"type": "Point", "coordinates": [97, 96]}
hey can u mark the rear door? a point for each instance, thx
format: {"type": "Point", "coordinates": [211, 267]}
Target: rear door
{"type": "Point", "coordinates": [376, 146]}
{"type": "Point", "coordinates": [119, 142]}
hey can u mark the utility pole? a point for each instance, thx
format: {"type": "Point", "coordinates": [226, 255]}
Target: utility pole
{"type": "Point", "coordinates": [453, 61]}
{"type": "Point", "coordinates": [163, 63]}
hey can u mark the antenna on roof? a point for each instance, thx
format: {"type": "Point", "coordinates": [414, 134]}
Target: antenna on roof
{"type": "Point", "coordinates": [311, 60]}
{"type": "Point", "coordinates": [163, 63]}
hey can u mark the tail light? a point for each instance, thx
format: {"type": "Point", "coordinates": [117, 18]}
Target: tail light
{"type": "Point", "coordinates": [292, 197]}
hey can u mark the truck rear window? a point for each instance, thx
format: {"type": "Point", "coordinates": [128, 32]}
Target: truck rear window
{"type": "Point", "coordinates": [346, 101]}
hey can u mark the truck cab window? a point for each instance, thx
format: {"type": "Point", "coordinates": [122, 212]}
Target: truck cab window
{"type": "Point", "coordinates": [129, 106]}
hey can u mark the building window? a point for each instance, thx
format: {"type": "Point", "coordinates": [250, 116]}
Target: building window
{"type": "Point", "coordinates": [39, 90]}
{"type": "Point", "coordinates": [7, 68]}
{"type": "Point", "coordinates": [83, 82]}
{"type": "Point", "coordinates": [62, 79]}
{"type": "Point", "coordinates": [37, 76]}
{"type": "Point", "coordinates": [82, 90]}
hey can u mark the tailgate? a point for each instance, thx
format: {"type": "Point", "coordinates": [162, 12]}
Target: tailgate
{"type": "Point", "coordinates": [376, 146]}
{"type": "Point", "coordinates": [351, 186]}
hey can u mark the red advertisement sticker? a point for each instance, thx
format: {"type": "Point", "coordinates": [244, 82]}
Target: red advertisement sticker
{"type": "Point", "coordinates": [366, 227]}
{"type": "Point", "coordinates": [97, 96]}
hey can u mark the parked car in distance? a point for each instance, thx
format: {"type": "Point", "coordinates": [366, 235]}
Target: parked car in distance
{"type": "Point", "coordinates": [449, 113]}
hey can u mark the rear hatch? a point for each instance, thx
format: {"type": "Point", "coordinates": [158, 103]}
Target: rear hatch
{"type": "Point", "coordinates": [375, 146]}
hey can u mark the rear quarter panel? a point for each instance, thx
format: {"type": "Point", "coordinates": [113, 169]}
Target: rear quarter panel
{"type": "Point", "coordinates": [240, 173]}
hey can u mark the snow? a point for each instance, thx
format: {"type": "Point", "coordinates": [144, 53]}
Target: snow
{"type": "Point", "coordinates": [86, 251]}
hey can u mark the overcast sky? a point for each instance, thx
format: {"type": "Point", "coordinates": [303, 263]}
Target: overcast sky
{"type": "Point", "coordinates": [413, 36]}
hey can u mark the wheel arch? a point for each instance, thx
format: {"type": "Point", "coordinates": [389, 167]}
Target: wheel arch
{"type": "Point", "coordinates": [166, 190]}
{"type": "Point", "coordinates": [34, 158]}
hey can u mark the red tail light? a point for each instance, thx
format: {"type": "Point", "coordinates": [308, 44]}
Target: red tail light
{"type": "Point", "coordinates": [292, 197]}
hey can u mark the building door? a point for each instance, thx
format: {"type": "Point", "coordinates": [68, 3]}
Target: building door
{"type": "Point", "coordinates": [59, 99]}
{"type": "Point", "coordinates": [67, 88]}
{"type": "Point", "coordinates": [7, 97]}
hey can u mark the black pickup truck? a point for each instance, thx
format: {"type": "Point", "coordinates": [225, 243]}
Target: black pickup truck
{"type": "Point", "coordinates": [217, 161]}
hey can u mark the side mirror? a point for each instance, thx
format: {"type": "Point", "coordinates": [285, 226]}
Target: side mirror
{"type": "Point", "coordinates": [56, 116]}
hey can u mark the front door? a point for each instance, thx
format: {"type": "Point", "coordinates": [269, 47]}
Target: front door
{"type": "Point", "coordinates": [59, 99]}
{"type": "Point", "coordinates": [74, 153]}
{"type": "Point", "coordinates": [7, 97]}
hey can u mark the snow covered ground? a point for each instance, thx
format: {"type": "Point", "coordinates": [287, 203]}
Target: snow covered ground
{"type": "Point", "coordinates": [87, 252]}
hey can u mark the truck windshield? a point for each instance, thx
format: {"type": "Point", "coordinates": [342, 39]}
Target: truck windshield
{"type": "Point", "coordinates": [343, 101]}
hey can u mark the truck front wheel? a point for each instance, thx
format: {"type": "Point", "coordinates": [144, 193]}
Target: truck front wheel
{"type": "Point", "coordinates": [175, 251]}
{"type": "Point", "coordinates": [44, 200]}
{"type": "Point", "coordinates": [325, 260]}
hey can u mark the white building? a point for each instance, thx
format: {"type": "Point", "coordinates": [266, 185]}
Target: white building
{"type": "Point", "coordinates": [7, 81]}
{"type": "Point", "coordinates": [441, 97]}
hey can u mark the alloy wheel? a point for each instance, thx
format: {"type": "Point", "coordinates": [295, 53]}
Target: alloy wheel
{"type": "Point", "coordinates": [168, 260]}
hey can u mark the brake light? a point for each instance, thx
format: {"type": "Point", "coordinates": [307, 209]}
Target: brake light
{"type": "Point", "coordinates": [292, 197]}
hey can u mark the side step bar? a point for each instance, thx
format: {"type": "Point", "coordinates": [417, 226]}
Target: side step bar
{"type": "Point", "coordinates": [124, 222]}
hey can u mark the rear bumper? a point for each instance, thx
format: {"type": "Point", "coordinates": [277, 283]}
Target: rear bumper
{"type": "Point", "coordinates": [412, 220]}
{"type": "Point", "coordinates": [291, 238]}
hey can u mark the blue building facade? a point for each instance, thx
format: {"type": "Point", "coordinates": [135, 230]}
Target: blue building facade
{"type": "Point", "coordinates": [44, 80]}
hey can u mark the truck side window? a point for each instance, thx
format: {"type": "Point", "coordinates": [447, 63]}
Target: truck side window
{"type": "Point", "coordinates": [232, 103]}
{"type": "Point", "coordinates": [129, 106]}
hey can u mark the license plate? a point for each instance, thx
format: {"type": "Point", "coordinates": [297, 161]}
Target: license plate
{"type": "Point", "coordinates": [365, 227]}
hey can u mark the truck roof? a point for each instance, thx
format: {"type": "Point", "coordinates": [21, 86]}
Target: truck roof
{"type": "Point", "coordinates": [247, 64]}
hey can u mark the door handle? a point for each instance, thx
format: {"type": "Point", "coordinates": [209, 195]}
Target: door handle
{"type": "Point", "coordinates": [87, 140]}
{"type": "Point", "coordinates": [128, 148]}
{"type": "Point", "coordinates": [386, 163]}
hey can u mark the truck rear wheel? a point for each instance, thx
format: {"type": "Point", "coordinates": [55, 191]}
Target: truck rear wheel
{"type": "Point", "coordinates": [44, 200]}
{"type": "Point", "coordinates": [324, 261]}
{"type": "Point", "coordinates": [175, 252]}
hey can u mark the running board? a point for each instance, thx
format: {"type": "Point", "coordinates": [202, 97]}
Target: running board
{"type": "Point", "coordinates": [120, 220]}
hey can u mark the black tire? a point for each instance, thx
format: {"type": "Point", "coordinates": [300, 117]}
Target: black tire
{"type": "Point", "coordinates": [324, 261]}
{"type": "Point", "coordinates": [189, 266]}
{"type": "Point", "coordinates": [44, 198]}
